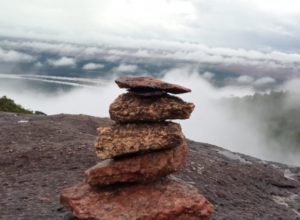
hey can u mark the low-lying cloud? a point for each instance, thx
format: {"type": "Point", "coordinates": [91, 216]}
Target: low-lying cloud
{"type": "Point", "coordinates": [252, 63]}
{"type": "Point", "coordinates": [92, 66]}
{"type": "Point", "coordinates": [64, 61]}
{"type": "Point", "coordinates": [126, 68]}
{"type": "Point", "coordinates": [14, 56]}
{"type": "Point", "coordinates": [264, 81]}
{"type": "Point", "coordinates": [211, 122]}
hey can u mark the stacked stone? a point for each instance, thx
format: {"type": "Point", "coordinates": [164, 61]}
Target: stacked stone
{"type": "Point", "coordinates": [139, 151]}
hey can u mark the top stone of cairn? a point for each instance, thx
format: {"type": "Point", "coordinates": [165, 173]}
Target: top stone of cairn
{"type": "Point", "coordinates": [149, 85]}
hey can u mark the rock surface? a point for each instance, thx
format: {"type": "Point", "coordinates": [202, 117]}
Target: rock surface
{"type": "Point", "coordinates": [46, 154]}
{"type": "Point", "coordinates": [123, 139]}
{"type": "Point", "coordinates": [129, 107]}
{"type": "Point", "coordinates": [138, 168]}
{"type": "Point", "coordinates": [161, 200]}
{"type": "Point", "coordinates": [148, 93]}
{"type": "Point", "coordinates": [149, 84]}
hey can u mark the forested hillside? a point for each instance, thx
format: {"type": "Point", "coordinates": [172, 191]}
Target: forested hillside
{"type": "Point", "coordinates": [277, 114]}
{"type": "Point", "coordinates": [8, 105]}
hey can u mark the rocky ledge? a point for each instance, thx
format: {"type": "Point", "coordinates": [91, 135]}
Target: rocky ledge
{"type": "Point", "coordinates": [41, 155]}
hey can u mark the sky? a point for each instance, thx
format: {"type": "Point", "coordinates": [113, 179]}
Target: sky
{"type": "Point", "coordinates": [262, 25]}
{"type": "Point", "coordinates": [256, 38]}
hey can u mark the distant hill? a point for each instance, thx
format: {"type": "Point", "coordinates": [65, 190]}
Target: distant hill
{"type": "Point", "coordinates": [277, 113]}
{"type": "Point", "coordinates": [9, 105]}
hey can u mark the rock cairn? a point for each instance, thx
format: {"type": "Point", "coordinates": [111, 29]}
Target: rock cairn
{"type": "Point", "coordinates": [138, 153]}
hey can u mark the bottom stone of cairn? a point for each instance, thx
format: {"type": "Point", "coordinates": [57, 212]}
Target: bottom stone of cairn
{"type": "Point", "coordinates": [138, 168]}
{"type": "Point", "coordinates": [168, 198]}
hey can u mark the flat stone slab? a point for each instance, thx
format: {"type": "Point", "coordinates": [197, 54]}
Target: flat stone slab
{"type": "Point", "coordinates": [123, 139]}
{"type": "Point", "coordinates": [149, 93]}
{"type": "Point", "coordinates": [162, 200]}
{"type": "Point", "coordinates": [130, 107]}
{"type": "Point", "coordinates": [147, 84]}
{"type": "Point", "coordinates": [138, 168]}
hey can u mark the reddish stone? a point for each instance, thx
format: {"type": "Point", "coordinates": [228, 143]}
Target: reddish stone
{"type": "Point", "coordinates": [129, 107]}
{"type": "Point", "coordinates": [148, 94]}
{"type": "Point", "coordinates": [146, 84]}
{"type": "Point", "coordinates": [139, 168]}
{"type": "Point", "coordinates": [124, 139]}
{"type": "Point", "coordinates": [163, 200]}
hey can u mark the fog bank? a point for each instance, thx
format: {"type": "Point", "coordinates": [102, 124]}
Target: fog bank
{"type": "Point", "coordinates": [211, 122]}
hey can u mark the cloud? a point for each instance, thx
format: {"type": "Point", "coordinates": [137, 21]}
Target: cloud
{"type": "Point", "coordinates": [254, 41]}
{"type": "Point", "coordinates": [252, 63]}
{"type": "Point", "coordinates": [64, 61]}
{"type": "Point", "coordinates": [38, 65]}
{"type": "Point", "coordinates": [248, 24]}
{"type": "Point", "coordinates": [211, 122]}
{"type": "Point", "coordinates": [243, 79]}
{"type": "Point", "coordinates": [264, 81]}
{"type": "Point", "coordinates": [92, 66]}
{"type": "Point", "coordinates": [292, 85]}
{"type": "Point", "coordinates": [126, 68]}
{"type": "Point", "coordinates": [14, 56]}
{"type": "Point", "coordinates": [208, 75]}
{"type": "Point", "coordinates": [166, 54]}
